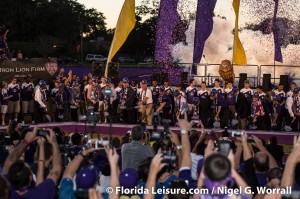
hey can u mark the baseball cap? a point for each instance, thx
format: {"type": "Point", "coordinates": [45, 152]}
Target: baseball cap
{"type": "Point", "coordinates": [74, 84]}
{"type": "Point", "coordinates": [42, 83]}
{"type": "Point", "coordinates": [129, 178]}
{"type": "Point", "coordinates": [95, 79]}
{"type": "Point", "coordinates": [296, 90]}
{"type": "Point", "coordinates": [125, 80]}
{"type": "Point", "coordinates": [108, 80]}
{"type": "Point", "coordinates": [144, 81]}
{"type": "Point", "coordinates": [176, 93]}
{"type": "Point", "coordinates": [86, 177]}
{"type": "Point", "coordinates": [162, 88]}
{"type": "Point", "coordinates": [256, 94]}
{"type": "Point", "coordinates": [60, 85]}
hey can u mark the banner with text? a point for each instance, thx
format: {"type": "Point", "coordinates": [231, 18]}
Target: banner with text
{"type": "Point", "coordinates": [36, 68]}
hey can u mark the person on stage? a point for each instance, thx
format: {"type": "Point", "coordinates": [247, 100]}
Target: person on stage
{"type": "Point", "coordinates": [61, 101]}
{"type": "Point", "coordinates": [205, 104]}
{"type": "Point", "coordinates": [93, 95]}
{"type": "Point", "coordinates": [40, 104]}
{"type": "Point", "coordinates": [164, 105]}
{"type": "Point", "coordinates": [181, 106]}
{"type": "Point", "coordinates": [27, 92]}
{"type": "Point", "coordinates": [146, 103]}
{"type": "Point", "coordinates": [75, 101]}
{"type": "Point", "coordinates": [293, 109]}
{"type": "Point", "coordinates": [14, 102]}
{"type": "Point", "coordinates": [257, 113]}
{"type": "Point", "coordinates": [191, 92]}
{"type": "Point", "coordinates": [128, 102]}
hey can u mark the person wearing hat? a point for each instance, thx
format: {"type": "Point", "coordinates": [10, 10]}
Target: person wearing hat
{"type": "Point", "coordinates": [75, 100]}
{"type": "Point", "coordinates": [27, 91]}
{"type": "Point", "coordinates": [146, 103]}
{"type": "Point", "coordinates": [191, 92]}
{"type": "Point", "coordinates": [93, 95]}
{"type": "Point", "coordinates": [181, 106]}
{"type": "Point", "coordinates": [61, 101]}
{"type": "Point", "coordinates": [293, 109]}
{"type": "Point", "coordinates": [41, 100]}
{"type": "Point", "coordinates": [128, 102]}
{"type": "Point", "coordinates": [86, 177]}
{"type": "Point", "coordinates": [257, 112]}
{"type": "Point", "coordinates": [276, 121]}
{"type": "Point", "coordinates": [164, 104]}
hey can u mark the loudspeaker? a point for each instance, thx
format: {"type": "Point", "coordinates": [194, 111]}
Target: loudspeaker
{"type": "Point", "coordinates": [284, 79]}
{"type": "Point", "coordinates": [155, 77]}
{"type": "Point", "coordinates": [184, 78]}
{"type": "Point", "coordinates": [266, 84]}
{"type": "Point", "coordinates": [98, 69]}
{"type": "Point", "coordinates": [164, 77]}
{"type": "Point", "coordinates": [243, 77]}
{"type": "Point", "coordinates": [113, 72]}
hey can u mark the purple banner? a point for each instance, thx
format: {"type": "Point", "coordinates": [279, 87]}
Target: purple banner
{"type": "Point", "coordinates": [278, 54]}
{"type": "Point", "coordinates": [168, 18]}
{"type": "Point", "coordinates": [203, 28]}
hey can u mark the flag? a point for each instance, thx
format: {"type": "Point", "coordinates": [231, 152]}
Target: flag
{"type": "Point", "coordinates": [125, 25]}
{"type": "Point", "coordinates": [168, 18]}
{"type": "Point", "coordinates": [239, 56]}
{"type": "Point", "coordinates": [203, 28]}
{"type": "Point", "coordinates": [278, 54]}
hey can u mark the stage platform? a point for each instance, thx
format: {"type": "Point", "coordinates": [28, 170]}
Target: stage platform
{"type": "Point", "coordinates": [285, 138]}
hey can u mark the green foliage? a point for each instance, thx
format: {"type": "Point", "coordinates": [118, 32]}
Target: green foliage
{"type": "Point", "coordinates": [45, 22]}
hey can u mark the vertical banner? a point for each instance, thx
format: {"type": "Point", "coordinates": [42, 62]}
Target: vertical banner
{"type": "Point", "coordinates": [203, 29]}
{"type": "Point", "coordinates": [239, 55]}
{"type": "Point", "coordinates": [168, 18]}
{"type": "Point", "coordinates": [125, 25]}
{"type": "Point", "coordinates": [278, 54]}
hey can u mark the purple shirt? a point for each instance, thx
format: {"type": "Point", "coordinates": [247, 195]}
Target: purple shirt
{"type": "Point", "coordinates": [27, 91]}
{"type": "Point", "coordinates": [191, 92]}
{"type": "Point", "coordinates": [14, 90]}
{"type": "Point", "coordinates": [45, 190]}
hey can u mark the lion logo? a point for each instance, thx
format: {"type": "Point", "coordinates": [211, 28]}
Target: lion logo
{"type": "Point", "coordinates": [51, 68]}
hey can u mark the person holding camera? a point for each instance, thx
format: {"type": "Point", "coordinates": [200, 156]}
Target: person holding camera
{"type": "Point", "coordinates": [146, 103]}
{"type": "Point", "coordinates": [20, 175]}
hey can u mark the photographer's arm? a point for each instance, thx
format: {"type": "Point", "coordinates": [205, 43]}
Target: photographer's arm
{"type": "Point", "coordinates": [41, 161]}
{"type": "Point", "coordinates": [56, 162]}
{"type": "Point", "coordinates": [186, 148]}
{"type": "Point", "coordinates": [200, 140]}
{"type": "Point", "coordinates": [16, 154]}
{"type": "Point", "coordinates": [289, 170]}
{"type": "Point", "coordinates": [176, 142]}
{"type": "Point", "coordinates": [260, 146]}
{"type": "Point", "coordinates": [74, 165]}
{"type": "Point", "coordinates": [155, 167]}
{"type": "Point", "coordinates": [113, 158]}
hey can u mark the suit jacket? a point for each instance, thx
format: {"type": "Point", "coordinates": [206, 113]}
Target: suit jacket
{"type": "Point", "coordinates": [129, 103]}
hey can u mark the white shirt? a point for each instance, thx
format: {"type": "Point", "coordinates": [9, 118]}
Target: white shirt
{"type": "Point", "coordinates": [38, 97]}
{"type": "Point", "coordinates": [147, 93]}
{"type": "Point", "coordinates": [289, 94]}
{"type": "Point", "coordinates": [25, 85]}
{"type": "Point", "coordinates": [289, 105]}
{"type": "Point", "coordinates": [247, 90]}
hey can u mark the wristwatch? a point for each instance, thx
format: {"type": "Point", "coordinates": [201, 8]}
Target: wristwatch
{"type": "Point", "coordinates": [179, 147]}
{"type": "Point", "coordinates": [184, 132]}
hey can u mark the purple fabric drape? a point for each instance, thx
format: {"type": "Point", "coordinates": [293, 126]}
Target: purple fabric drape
{"type": "Point", "coordinates": [278, 54]}
{"type": "Point", "coordinates": [168, 18]}
{"type": "Point", "coordinates": [203, 28]}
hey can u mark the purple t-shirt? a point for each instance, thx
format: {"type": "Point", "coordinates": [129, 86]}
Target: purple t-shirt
{"type": "Point", "coordinates": [45, 190]}
{"type": "Point", "coordinates": [14, 90]}
{"type": "Point", "coordinates": [4, 94]}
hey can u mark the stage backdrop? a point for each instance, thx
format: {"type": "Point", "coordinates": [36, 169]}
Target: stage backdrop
{"type": "Point", "coordinates": [36, 68]}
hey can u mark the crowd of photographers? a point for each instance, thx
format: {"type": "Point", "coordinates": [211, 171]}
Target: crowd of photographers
{"type": "Point", "coordinates": [47, 163]}
{"type": "Point", "coordinates": [67, 98]}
